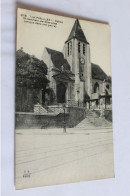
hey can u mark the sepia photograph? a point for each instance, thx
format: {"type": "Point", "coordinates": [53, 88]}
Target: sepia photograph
{"type": "Point", "coordinates": [63, 100]}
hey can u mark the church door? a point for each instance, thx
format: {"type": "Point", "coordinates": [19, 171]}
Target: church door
{"type": "Point", "coordinates": [61, 90]}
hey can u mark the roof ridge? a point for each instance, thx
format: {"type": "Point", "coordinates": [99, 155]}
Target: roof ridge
{"type": "Point", "coordinates": [63, 73]}
{"type": "Point", "coordinates": [53, 50]}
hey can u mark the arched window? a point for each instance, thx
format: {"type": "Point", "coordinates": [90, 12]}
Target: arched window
{"type": "Point", "coordinates": [107, 89]}
{"type": "Point", "coordinates": [79, 47]}
{"type": "Point", "coordinates": [96, 87]}
{"type": "Point", "coordinates": [84, 49]}
{"type": "Point", "coordinates": [70, 47]}
{"type": "Point", "coordinates": [107, 86]}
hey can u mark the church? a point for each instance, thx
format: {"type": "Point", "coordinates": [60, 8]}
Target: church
{"type": "Point", "coordinates": [74, 79]}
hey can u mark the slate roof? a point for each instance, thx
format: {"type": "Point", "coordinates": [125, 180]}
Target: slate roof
{"type": "Point", "coordinates": [98, 73]}
{"type": "Point", "coordinates": [58, 60]}
{"type": "Point", "coordinates": [77, 32]}
{"type": "Point", "coordinates": [64, 75]}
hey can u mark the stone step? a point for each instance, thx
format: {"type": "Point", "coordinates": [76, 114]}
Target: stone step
{"type": "Point", "coordinates": [92, 120]}
{"type": "Point", "coordinates": [41, 110]}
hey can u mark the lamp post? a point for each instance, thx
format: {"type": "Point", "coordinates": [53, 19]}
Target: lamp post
{"type": "Point", "coordinates": [64, 128]}
{"type": "Point", "coordinates": [77, 92]}
{"type": "Point", "coordinates": [78, 96]}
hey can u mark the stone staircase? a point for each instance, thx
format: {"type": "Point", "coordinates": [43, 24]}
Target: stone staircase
{"type": "Point", "coordinates": [55, 109]}
{"type": "Point", "coordinates": [93, 121]}
{"type": "Point", "coordinates": [38, 109]}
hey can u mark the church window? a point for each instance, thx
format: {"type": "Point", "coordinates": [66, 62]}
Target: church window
{"type": "Point", "coordinates": [68, 49]}
{"type": "Point", "coordinates": [84, 49]}
{"type": "Point", "coordinates": [107, 86]}
{"type": "Point", "coordinates": [96, 88]}
{"type": "Point", "coordinates": [79, 47]}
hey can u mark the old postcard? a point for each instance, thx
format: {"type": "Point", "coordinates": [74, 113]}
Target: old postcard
{"type": "Point", "coordinates": [63, 113]}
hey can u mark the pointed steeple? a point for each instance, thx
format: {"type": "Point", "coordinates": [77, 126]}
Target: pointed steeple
{"type": "Point", "coordinates": [77, 32]}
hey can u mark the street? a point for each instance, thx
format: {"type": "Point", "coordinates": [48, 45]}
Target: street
{"type": "Point", "coordinates": [49, 157]}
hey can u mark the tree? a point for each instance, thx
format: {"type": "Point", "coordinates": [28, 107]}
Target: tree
{"type": "Point", "coordinates": [30, 71]}
{"type": "Point", "coordinates": [30, 79]}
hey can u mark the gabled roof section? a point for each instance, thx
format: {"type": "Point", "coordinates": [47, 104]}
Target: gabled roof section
{"type": "Point", "coordinates": [98, 73]}
{"type": "Point", "coordinates": [77, 32]}
{"type": "Point", "coordinates": [64, 76]}
{"type": "Point", "coordinates": [58, 59]}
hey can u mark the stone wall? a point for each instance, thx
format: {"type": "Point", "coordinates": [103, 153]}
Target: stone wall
{"type": "Point", "coordinates": [107, 114]}
{"type": "Point", "coordinates": [26, 98]}
{"type": "Point", "coordinates": [58, 109]}
{"type": "Point", "coordinates": [38, 121]}
{"type": "Point", "coordinates": [71, 54]}
{"type": "Point", "coordinates": [76, 115]}
{"type": "Point", "coordinates": [88, 72]}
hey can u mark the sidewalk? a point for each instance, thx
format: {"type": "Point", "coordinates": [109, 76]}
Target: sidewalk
{"type": "Point", "coordinates": [60, 131]}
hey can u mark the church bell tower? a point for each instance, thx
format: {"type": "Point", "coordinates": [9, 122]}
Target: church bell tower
{"type": "Point", "coordinates": [77, 53]}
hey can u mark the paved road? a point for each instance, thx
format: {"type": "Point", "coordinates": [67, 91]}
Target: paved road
{"type": "Point", "coordinates": [48, 157]}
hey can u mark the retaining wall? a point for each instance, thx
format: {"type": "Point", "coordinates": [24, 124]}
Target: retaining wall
{"type": "Point", "coordinates": [107, 114]}
{"type": "Point", "coordinates": [31, 120]}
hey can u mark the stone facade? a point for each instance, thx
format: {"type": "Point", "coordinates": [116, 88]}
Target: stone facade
{"type": "Point", "coordinates": [73, 78]}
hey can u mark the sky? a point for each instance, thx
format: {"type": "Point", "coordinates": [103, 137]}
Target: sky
{"type": "Point", "coordinates": [34, 37]}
